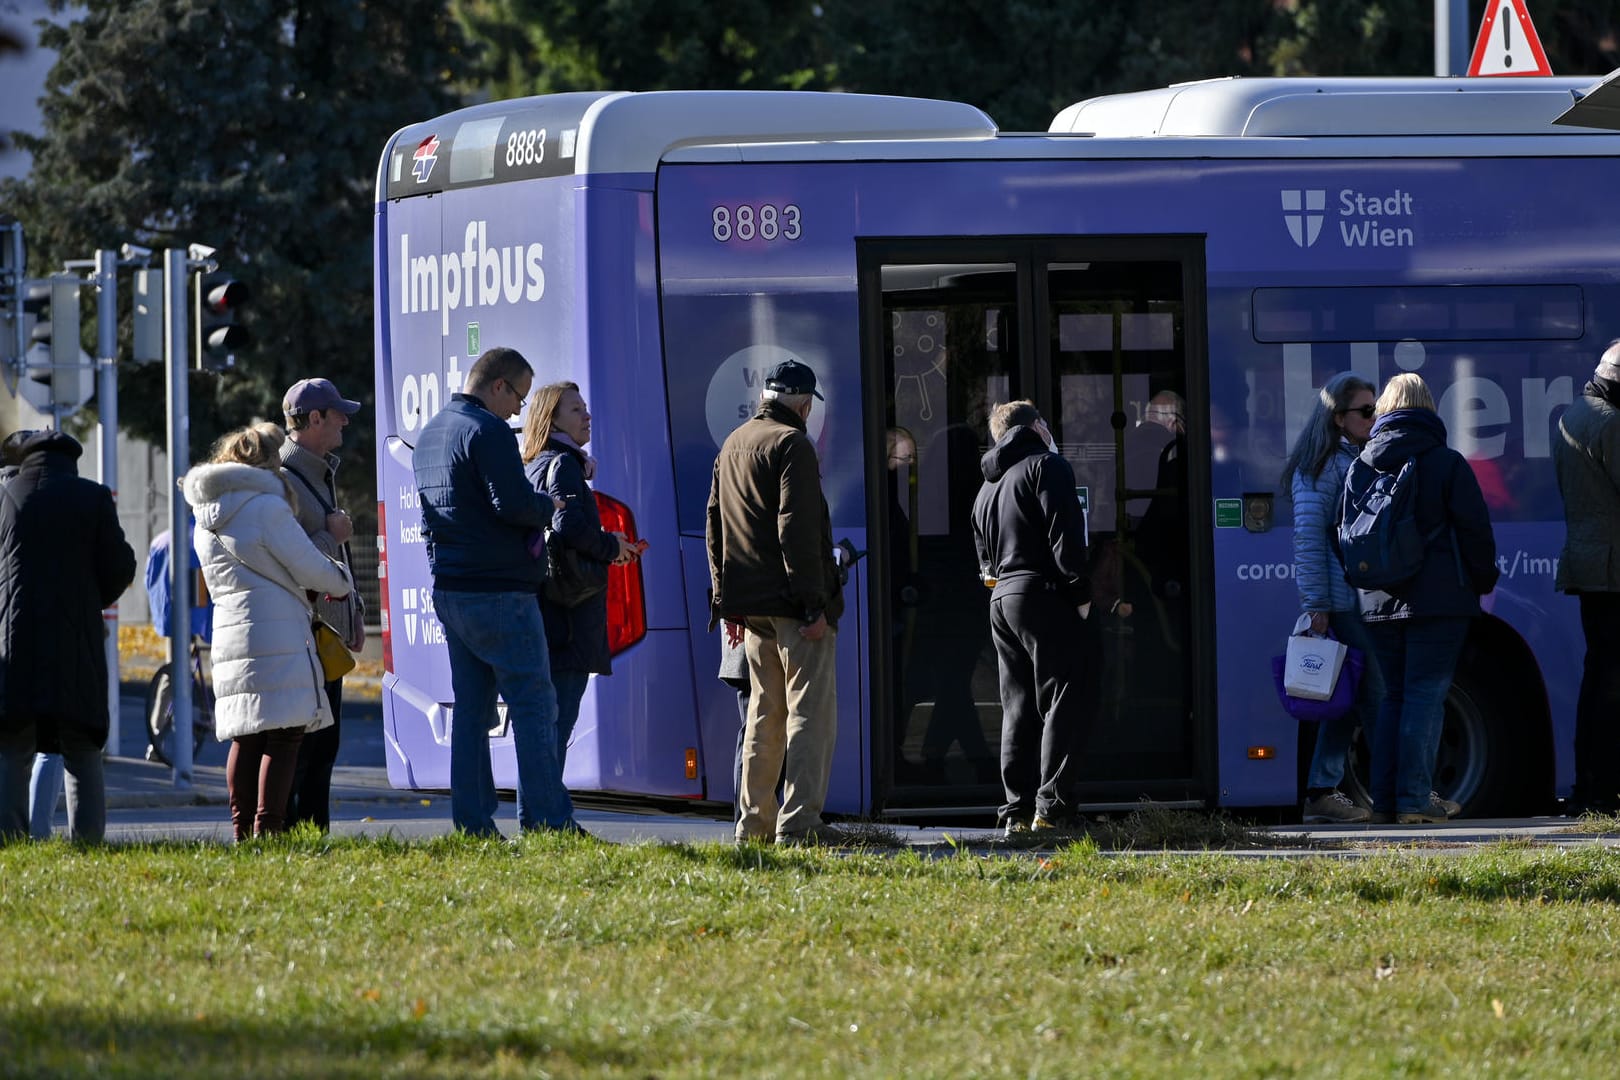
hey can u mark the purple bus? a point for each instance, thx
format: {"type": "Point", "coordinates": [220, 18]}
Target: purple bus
{"type": "Point", "coordinates": [1208, 253]}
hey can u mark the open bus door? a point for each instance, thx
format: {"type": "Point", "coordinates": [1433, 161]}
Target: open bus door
{"type": "Point", "coordinates": [1597, 106]}
{"type": "Point", "coordinates": [1094, 331]}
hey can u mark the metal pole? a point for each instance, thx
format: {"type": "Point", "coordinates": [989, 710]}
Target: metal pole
{"type": "Point", "coordinates": [175, 350]}
{"type": "Point", "coordinates": [107, 406]}
{"type": "Point", "coordinates": [1450, 37]}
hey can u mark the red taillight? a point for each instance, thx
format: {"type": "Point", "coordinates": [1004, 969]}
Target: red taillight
{"type": "Point", "coordinates": [626, 602]}
{"type": "Point", "coordinates": [382, 585]}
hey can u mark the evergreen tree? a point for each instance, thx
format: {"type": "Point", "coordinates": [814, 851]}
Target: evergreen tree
{"type": "Point", "coordinates": [549, 46]}
{"type": "Point", "coordinates": [253, 126]}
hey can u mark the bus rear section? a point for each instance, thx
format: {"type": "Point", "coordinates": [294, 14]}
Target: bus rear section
{"type": "Point", "coordinates": [482, 232]}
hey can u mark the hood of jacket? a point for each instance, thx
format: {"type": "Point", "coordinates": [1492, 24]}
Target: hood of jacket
{"type": "Point", "coordinates": [1019, 443]}
{"type": "Point", "coordinates": [217, 492]}
{"type": "Point", "coordinates": [21, 445]}
{"type": "Point", "coordinates": [1402, 435]}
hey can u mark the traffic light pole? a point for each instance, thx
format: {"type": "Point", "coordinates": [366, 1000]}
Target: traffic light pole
{"type": "Point", "coordinates": [107, 406]}
{"type": "Point", "coordinates": [176, 337]}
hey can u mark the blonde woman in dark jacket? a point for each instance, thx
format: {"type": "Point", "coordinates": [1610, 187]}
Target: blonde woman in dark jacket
{"type": "Point", "coordinates": [554, 436]}
{"type": "Point", "coordinates": [1418, 627]}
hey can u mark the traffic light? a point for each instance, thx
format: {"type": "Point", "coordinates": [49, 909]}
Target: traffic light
{"type": "Point", "coordinates": [218, 302]}
{"type": "Point", "coordinates": [54, 337]}
{"type": "Point", "coordinates": [13, 334]}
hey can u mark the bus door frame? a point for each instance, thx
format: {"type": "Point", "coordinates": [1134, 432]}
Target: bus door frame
{"type": "Point", "coordinates": [1030, 255]}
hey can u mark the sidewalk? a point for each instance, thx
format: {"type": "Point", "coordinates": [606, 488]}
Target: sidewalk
{"type": "Point", "coordinates": [133, 782]}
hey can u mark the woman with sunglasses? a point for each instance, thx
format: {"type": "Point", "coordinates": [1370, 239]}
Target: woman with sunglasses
{"type": "Point", "coordinates": [554, 436]}
{"type": "Point", "coordinates": [1338, 427]}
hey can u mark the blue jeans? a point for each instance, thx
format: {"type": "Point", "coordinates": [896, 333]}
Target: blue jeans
{"type": "Point", "coordinates": [1333, 738]}
{"type": "Point", "coordinates": [498, 643]}
{"type": "Point", "coordinates": [570, 692]}
{"type": "Point", "coordinates": [44, 792]}
{"type": "Point", "coordinates": [1418, 657]}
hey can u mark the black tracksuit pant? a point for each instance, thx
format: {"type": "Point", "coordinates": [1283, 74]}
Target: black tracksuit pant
{"type": "Point", "coordinates": [1043, 650]}
{"type": "Point", "coordinates": [1597, 711]}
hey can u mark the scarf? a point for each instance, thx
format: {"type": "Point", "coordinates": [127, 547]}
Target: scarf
{"type": "Point", "coordinates": [567, 440]}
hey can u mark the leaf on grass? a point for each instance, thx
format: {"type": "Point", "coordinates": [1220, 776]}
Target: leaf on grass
{"type": "Point", "coordinates": [800, 1024]}
{"type": "Point", "coordinates": [370, 994]}
{"type": "Point", "coordinates": [418, 1009]}
{"type": "Point", "coordinates": [1498, 1008]}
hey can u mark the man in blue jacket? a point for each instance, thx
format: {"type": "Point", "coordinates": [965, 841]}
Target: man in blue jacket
{"type": "Point", "coordinates": [1031, 537]}
{"type": "Point", "coordinates": [478, 511]}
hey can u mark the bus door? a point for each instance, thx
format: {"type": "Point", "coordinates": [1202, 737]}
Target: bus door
{"type": "Point", "coordinates": [1120, 357]}
{"type": "Point", "coordinates": [1097, 334]}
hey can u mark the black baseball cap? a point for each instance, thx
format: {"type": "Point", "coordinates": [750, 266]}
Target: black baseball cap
{"type": "Point", "coordinates": [792, 377]}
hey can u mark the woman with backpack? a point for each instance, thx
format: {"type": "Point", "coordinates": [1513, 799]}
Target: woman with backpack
{"type": "Point", "coordinates": [554, 436]}
{"type": "Point", "coordinates": [1314, 475]}
{"type": "Point", "coordinates": [1418, 625]}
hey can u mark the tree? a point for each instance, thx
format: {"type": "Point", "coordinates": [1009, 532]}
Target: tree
{"type": "Point", "coordinates": [549, 46]}
{"type": "Point", "coordinates": [253, 126]}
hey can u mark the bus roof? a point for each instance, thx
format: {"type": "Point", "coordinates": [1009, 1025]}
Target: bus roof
{"type": "Point", "coordinates": [610, 132]}
{"type": "Point", "coordinates": [1331, 107]}
{"type": "Point", "coordinates": [623, 133]}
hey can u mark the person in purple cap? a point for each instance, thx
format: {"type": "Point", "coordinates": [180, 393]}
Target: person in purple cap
{"type": "Point", "coordinates": [316, 415]}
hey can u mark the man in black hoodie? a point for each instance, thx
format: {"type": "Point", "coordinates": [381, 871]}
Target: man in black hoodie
{"type": "Point", "coordinates": [1031, 538]}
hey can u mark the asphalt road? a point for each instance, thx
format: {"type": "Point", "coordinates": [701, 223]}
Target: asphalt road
{"type": "Point", "coordinates": [374, 809]}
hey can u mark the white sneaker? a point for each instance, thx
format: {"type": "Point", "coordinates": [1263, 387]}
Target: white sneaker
{"type": "Point", "coordinates": [1334, 808]}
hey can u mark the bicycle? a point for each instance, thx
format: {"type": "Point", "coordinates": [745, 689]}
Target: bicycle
{"type": "Point", "coordinates": [160, 706]}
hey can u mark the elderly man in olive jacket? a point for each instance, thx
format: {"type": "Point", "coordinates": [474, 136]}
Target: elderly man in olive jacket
{"type": "Point", "coordinates": [772, 569]}
{"type": "Point", "coordinates": [1587, 457]}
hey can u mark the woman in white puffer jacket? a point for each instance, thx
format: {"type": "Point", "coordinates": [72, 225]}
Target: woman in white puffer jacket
{"type": "Point", "coordinates": [260, 568]}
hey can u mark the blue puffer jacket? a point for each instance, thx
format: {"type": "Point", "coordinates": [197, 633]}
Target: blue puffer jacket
{"type": "Point", "coordinates": [478, 509]}
{"type": "Point", "coordinates": [1318, 574]}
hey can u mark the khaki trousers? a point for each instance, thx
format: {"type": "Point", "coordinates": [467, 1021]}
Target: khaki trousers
{"type": "Point", "coordinates": [792, 722]}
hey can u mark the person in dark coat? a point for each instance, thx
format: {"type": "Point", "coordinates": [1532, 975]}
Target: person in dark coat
{"type": "Point", "coordinates": [63, 558]}
{"type": "Point", "coordinates": [554, 436]}
{"type": "Point", "coordinates": [1030, 533]}
{"type": "Point", "coordinates": [1417, 628]}
{"type": "Point", "coordinates": [1587, 457]}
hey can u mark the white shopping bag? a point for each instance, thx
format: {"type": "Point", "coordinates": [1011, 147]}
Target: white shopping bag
{"type": "Point", "coordinates": [1312, 667]}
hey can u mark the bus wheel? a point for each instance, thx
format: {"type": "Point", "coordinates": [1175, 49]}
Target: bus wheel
{"type": "Point", "coordinates": [1487, 758]}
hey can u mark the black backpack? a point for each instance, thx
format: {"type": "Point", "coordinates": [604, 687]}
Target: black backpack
{"type": "Point", "coordinates": [1379, 539]}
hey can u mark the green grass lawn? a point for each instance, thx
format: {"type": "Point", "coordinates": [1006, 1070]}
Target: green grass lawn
{"type": "Point", "coordinates": [567, 958]}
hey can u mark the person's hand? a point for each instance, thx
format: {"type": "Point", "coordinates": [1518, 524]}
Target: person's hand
{"type": "Point", "coordinates": [814, 631]}
{"type": "Point", "coordinates": [358, 641]}
{"type": "Point", "coordinates": [628, 552]}
{"type": "Point", "coordinates": [1319, 622]}
{"type": "Point", "coordinates": [1123, 609]}
{"type": "Point", "coordinates": [734, 633]}
{"type": "Point", "coordinates": [339, 525]}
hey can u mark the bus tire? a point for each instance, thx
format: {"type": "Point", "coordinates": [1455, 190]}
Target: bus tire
{"type": "Point", "coordinates": [1492, 753]}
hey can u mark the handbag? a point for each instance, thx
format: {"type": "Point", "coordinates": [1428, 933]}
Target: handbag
{"type": "Point", "coordinates": [571, 578]}
{"type": "Point", "coordinates": [336, 659]}
{"type": "Point", "coordinates": [1317, 677]}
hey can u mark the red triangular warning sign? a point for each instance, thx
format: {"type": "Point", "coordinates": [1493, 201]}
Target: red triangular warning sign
{"type": "Point", "coordinates": [1507, 43]}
